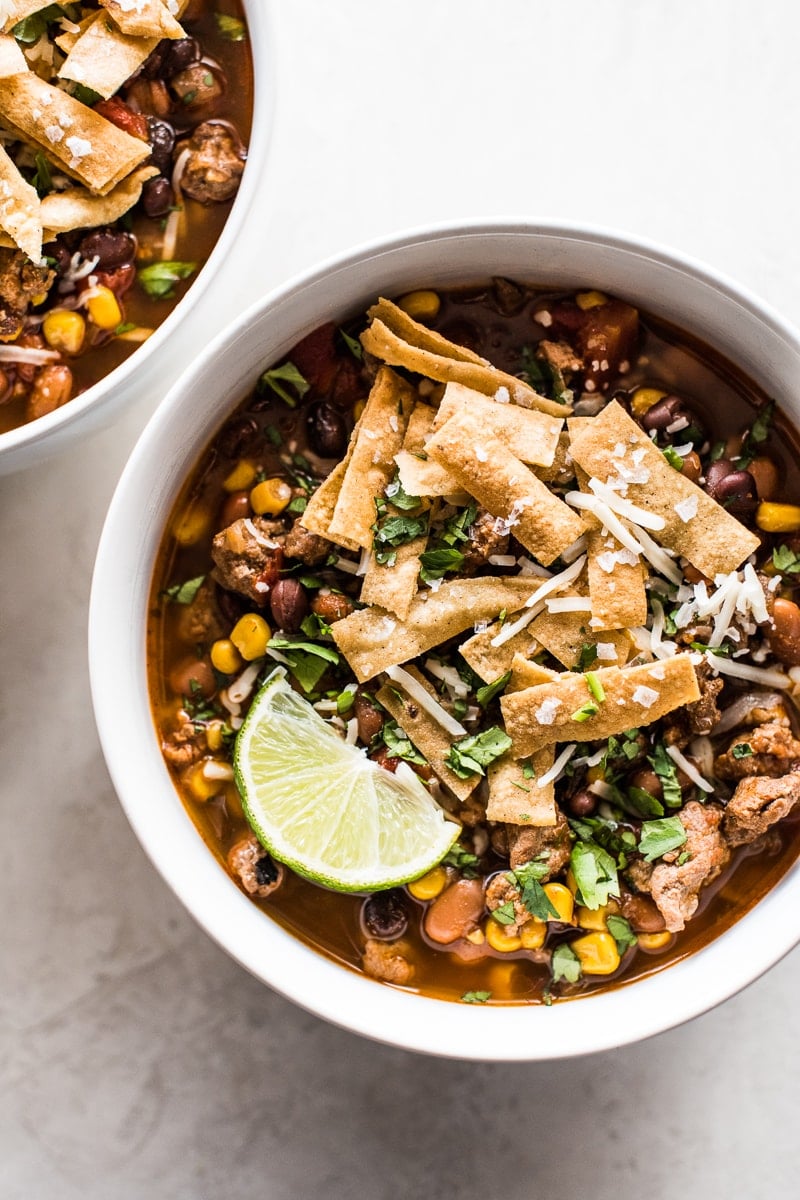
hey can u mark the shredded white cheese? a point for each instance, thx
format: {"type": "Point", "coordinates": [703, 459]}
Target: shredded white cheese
{"type": "Point", "coordinates": [740, 670]}
{"type": "Point", "coordinates": [535, 603]}
{"type": "Point", "coordinates": [434, 709]}
{"type": "Point", "coordinates": [689, 769]}
{"type": "Point", "coordinates": [558, 766]}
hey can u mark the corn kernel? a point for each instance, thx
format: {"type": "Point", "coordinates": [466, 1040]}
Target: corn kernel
{"type": "Point", "coordinates": [595, 774]}
{"type": "Point", "coordinates": [428, 885]}
{"type": "Point", "coordinates": [225, 657]}
{"type": "Point", "coordinates": [233, 803]}
{"type": "Point", "coordinates": [199, 786]}
{"type": "Point", "coordinates": [358, 409]}
{"type": "Point", "coordinates": [597, 953]}
{"type": "Point", "coordinates": [572, 882]}
{"type": "Point", "coordinates": [422, 305]}
{"type": "Point", "coordinates": [593, 299]}
{"type": "Point", "coordinates": [500, 939]}
{"type": "Point", "coordinates": [191, 526]}
{"type": "Point", "coordinates": [250, 635]}
{"type": "Point", "coordinates": [104, 309]}
{"type": "Point", "coordinates": [562, 901]}
{"type": "Point", "coordinates": [39, 298]}
{"type": "Point", "coordinates": [271, 496]}
{"type": "Point", "coordinates": [241, 477]}
{"type": "Point", "coordinates": [64, 330]}
{"type": "Point", "coordinates": [477, 937]}
{"type": "Point", "coordinates": [778, 518]}
{"type": "Point", "coordinates": [654, 941]}
{"type": "Point", "coordinates": [532, 934]}
{"type": "Point", "coordinates": [644, 398]}
{"type": "Point", "coordinates": [595, 919]}
{"type": "Point", "coordinates": [214, 736]}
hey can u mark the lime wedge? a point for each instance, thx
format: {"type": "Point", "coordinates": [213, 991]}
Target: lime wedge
{"type": "Point", "coordinates": [323, 808]}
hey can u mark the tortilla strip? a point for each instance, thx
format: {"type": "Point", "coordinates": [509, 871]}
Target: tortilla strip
{"type": "Point", "coordinates": [712, 540]}
{"type": "Point", "coordinates": [450, 363]}
{"type": "Point", "coordinates": [494, 476]}
{"type": "Point", "coordinates": [77, 208]}
{"type": "Point", "coordinates": [17, 10]}
{"type": "Point", "coordinates": [525, 673]}
{"type": "Point", "coordinates": [660, 687]}
{"type": "Point", "coordinates": [371, 640]}
{"type": "Point", "coordinates": [490, 662]}
{"type": "Point", "coordinates": [82, 143]}
{"type": "Point", "coordinates": [516, 797]}
{"type": "Point", "coordinates": [143, 18]}
{"type": "Point", "coordinates": [378, 438]}
{"type": "Point", "coordinates": [565, 634]}
{"type": "Point", "coordinates": [530, 434]}
{"type": "Point", "coordinates": [318, 513]}
{"type": "Point", "coordinates": [101, 57]}
{"type": "Point", "coordinates": [20, 209]}
{"type": "Point", "coordinates": [420, 476]}
{"type": "Point", "coordinates": [562, 470]}
{"type": "Point", "coordinates": [619, 599]}
{"type": "Point", "coordinates": [426, 733]}
{"type": "Point", "coordinates": [12, 60]}
{"type": "Point", "coordinates": [393, 587]}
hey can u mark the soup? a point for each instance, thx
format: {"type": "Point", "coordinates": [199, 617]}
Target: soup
{"type": "Point", "coordinates": [125, 137]}
{"type": "Point", "coordinates": [538, 549]}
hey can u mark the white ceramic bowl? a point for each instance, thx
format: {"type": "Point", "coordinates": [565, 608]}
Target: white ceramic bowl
{"type": "Point", "coordinates": [157, 363]}
{"type": "Point", "coordinates": [664, 283]}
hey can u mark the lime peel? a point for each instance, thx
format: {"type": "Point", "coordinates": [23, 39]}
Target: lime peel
{"type": "Point", "coordinates": [323, 808]}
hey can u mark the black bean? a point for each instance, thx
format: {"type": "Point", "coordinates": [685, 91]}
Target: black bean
{"type": "Point", "coordinates": [111, 249]}
{"type": "Point", "coordinates": [180, 54]}
{"type": "Point", "coordinates": [664, 413]}
{"type": "Point", "coordinates": [582, 803]}
{"type": "Point", "coordinates": [236, 436]}
{"type": "Point", "coordinates": [384, 915]}
{"type": "Point", "coordinates": [161, 136]}
{"type": "Point", "coordinates": [327, 431]}
{"type": "Point", "coordinates": [266, 871]}
{"type": "Point", "coordinates": [157, 197]}
{"type": "Point", "coordinates": [729, 486]}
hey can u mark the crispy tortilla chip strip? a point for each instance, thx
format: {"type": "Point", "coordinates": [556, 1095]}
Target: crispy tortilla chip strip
{"type": "Point", "coordinates": [695, 525]}
{"type": "Point", "coordinates": [515, 795]}
{"type": "Point", "coordinates": [143, 18]}
{"type": "Point", "coordinates": [529, 433]}
{"type": "Point", "coordinates": [398, 340]}
{"type": "Point", "coordinates": [82, 143]}
{"type": "Point", "coordinates": [562, 468]}
{"type": "Point", "coordinates": [77, 208]}
{"type": "Point", "coordinates": [425, 733]}
{"type": "Point", "coordinates": [494, 476]}
{"type": "Point", "coordinates": [420, 476]}
{"type": "Point", "coordinates": [393, 587]}
{"type": "Point", "coordinates": [490, 662]}
{"type": "Point", "coordinates": [565, 634]}
{"type": "Point", "coordinates": [15, 11]}
{"type": "Point", "coordinates": [372, 640]}
{"type": "Point", "coordinates": [12, 60]}
{"type": "Point", "coordinates": [378, 438]}
{"type": "Point", "coordinates": [542, 715]}
{"type": "Point", "coordinates": [319, 510]}
{"type": "Point", "coordinates": [616, 585]}
{"type": "Point", "coordinates": [102, 58]}
{"type": "Point", "coordinates": [527, 674]}
{"type": "Point", "coordinates": [20, 209]}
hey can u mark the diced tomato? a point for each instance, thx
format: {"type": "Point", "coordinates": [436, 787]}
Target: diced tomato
{"type": "Point", "coordinates": [607, 339]}
{"type": "Point", "coordinates": [316, 358]}
{"type": "Point", "coordinates": [117, 112]}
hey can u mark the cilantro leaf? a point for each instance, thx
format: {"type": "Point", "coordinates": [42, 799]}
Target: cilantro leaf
{"type": "Point", "coordinates": [667, 772]}
{"type": "Point", "coordinates": [622, 933]}
{"type": "Point", "coordinates": [159, 278]}
{"type": "Point", "coordinates": [476, 997]}
{"type": "Point", "coordinates": [757, 434]}
{"type": "Point", "coordinates": [287, 641]}
{"type": "Point", "coordinates": [398, 745]}
{"type": "Point", "coordinates": [505, 914]}
{"type": "Point", "coordinates": [528, 879]}
{"type": "Point", "coordinates": [389, 532]}
{"type": "Point", "coordinates": [786, 561]}
{"type": "Point", "coordinates": [659, 837]}
{"type": "Point", "coordinates": [595, 873]}
{"type": "Point", "coordinates": [31, 28]}
{"type": "Point", "coordinates": [184, 593]}
{"type": "Point", "coordinates": [462, 860]}
{"type": "Point", "coordinates": [397, 495]}
{"type": "Point", "coordinates": [587, 656]}
{"type": "Point", "coordinates": [434, 564]}
{"type": "Point", "coordinates": [278, 376]}
{"type": "Point", "coordinates": [457, 527]}
{"type": "Point", "coordinates": [673, 458]}
{"type": "Point", "coordinates": [353, 345]}
{"type": "Point", "coordinates": [231, 27]}
{"type": "Point", "coordinates": [486, 694]}
{"type": "Point", "coordinates": [470, 755]}
{"type": "Point", "coordinates": [642, 803]}
{"type": "Point", "coordinates": [742, 750]}
{"type": "Point", "coordinates": [42, 180]}
{"type": "Point", "coordinates": [565, 964]}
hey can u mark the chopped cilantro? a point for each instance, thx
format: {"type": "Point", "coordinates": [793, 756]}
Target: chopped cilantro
{"type": "Point", "coordinates": [389, 532]}
{"type": "Point", "coordinates": [434, 564]}
{"type": "Point", "coordinates": [717, 451]}
{"type": "Point", "coordinates": [486, 694]}
{"type": "Point", "coordinates": [703, 648]}
{"type": "Point", "coordinates": [659, 837]}
{"type": "Point", "coordinates": [231, 27]}
{"type": "Point", "coordinates": [757, 434]}
{"type": "Point", "coordinates": [159, 278]}
{"type": "Point", "coordinates": [472, 754]}
{"type": "Point", "coordinates": [565, 964]}
{"type": "Point", "coordinates": [397, 495]}
{"type": "Point", "coordinates": [352, 344]}
{"type": "Point", "coordinates": [528, 879]}
{"type": "Point", "coordinates": [42, 180]}
{"type": "Point", "coordinates": [505, 914]}
{"type": "Point", "coordinates": [543, 377]}
{"type": "Point", "coordinates": [786, 561]}
{"type": "Point", "coordinates": [297, 504]}
{"type": "Point", "coordinates": [527, 769]}
{"type": "Point", "coordinates": [456, 528]}
{"type": "Point", "coordinates": [399, 746]}
{"type": "Point", "coordinates": [587, 656]}
{"type": "Point", "coordinates": [84, 94]}
{"type": "Point", "coordinates": [476, 997]}
{"type": "Point", "coordinates": [31, 28]}
{"type": "Point", "coordinates": [184, 593]}
{"type": "Point", "coordinates": [345, 701]}
{"type": "Point", "coordinates": [742, 750]}
{"type": "Point", "coordinates": [308, 661]}
{"type": "Point", "coordinates": [667, 772]}
{"type": "Point", "coordinates": [642, 803]}
{"type": "Point", "coordinates": [462, 860]}
{"type": "Point", "coordinates": [595, 873]}
{"type": "Point", "coordinates": [673, 458]}
{"type": "Point", "coordinates": [278, 376]}
{"type": "Point", "coordinates": [622, 933]}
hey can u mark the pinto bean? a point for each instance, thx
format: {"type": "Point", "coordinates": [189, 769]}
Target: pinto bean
{"type": "Point", "coordinates": [193, 676]}
{"type": "Point", "coordinates": [582, 803]}
{"type": "Point", "coordinates": [785, 633]}
{"type": "Point", "coordinates": [370, 720]}
{"type": "Point", "coordinates": [646, 779]}
{"type": "Point", "coordinates": [455, 912]}
{"type": "Point", "coordinates": [51, 388]}
{"type": "Point", "coordinates": [235, 508]}
{"type": "Point", "coordinates": [641, 911]}
{"type": "Point", "coordinates": [289, 604]}
{"type": "Point", "coordinates": [765, 475]}
{"type": "Point", "coordinates": [692, 467]}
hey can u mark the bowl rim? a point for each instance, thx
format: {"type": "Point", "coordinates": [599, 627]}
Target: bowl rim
{"type": "Point", "coordinates": [35, 435]}
{"type": "Point", "coordinates": [320, 985]}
